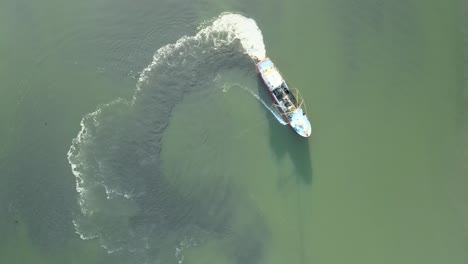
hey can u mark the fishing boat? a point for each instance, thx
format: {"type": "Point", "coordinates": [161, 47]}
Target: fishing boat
{"type": "Point", "coordinates": [288, 102]}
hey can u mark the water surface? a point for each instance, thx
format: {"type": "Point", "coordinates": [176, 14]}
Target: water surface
{"type": "Point", "coordinates": [182, 163]}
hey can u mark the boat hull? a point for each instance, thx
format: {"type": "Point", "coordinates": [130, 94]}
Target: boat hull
{"type": "Point", "coordinates": [273, 81]}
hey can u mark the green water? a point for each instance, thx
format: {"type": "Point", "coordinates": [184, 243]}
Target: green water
{"type": "Point", "coordinates": [383, 178]}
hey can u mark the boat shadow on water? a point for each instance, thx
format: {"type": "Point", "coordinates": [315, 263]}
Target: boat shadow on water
{"type": "Point", "coordinates": [285, 142]}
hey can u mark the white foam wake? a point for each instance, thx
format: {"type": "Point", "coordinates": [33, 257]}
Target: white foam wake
{"type": "Point", "coordinates": [184, 244]}
{"type": "Point", "coordinates": [74, 154]}
{"type": "Point", "coordinates": [235, 26]}
{"type": "Point", "coordinates": [243, 29]}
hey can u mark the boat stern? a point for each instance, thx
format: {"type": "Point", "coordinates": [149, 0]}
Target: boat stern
{"type": "Point", "coordinates": [263, 64]}
{"type": "Point", "coordinates": [301, 124]}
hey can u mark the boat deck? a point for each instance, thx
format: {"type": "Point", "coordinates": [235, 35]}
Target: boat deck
{"type": "Point", "coordinates": [289, 104]}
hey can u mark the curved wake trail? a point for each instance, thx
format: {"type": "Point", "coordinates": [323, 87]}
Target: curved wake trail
{"type": "Point", "coordinates": [124, 199]}
{"type": "Point", "coordinates": [232, 26]}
